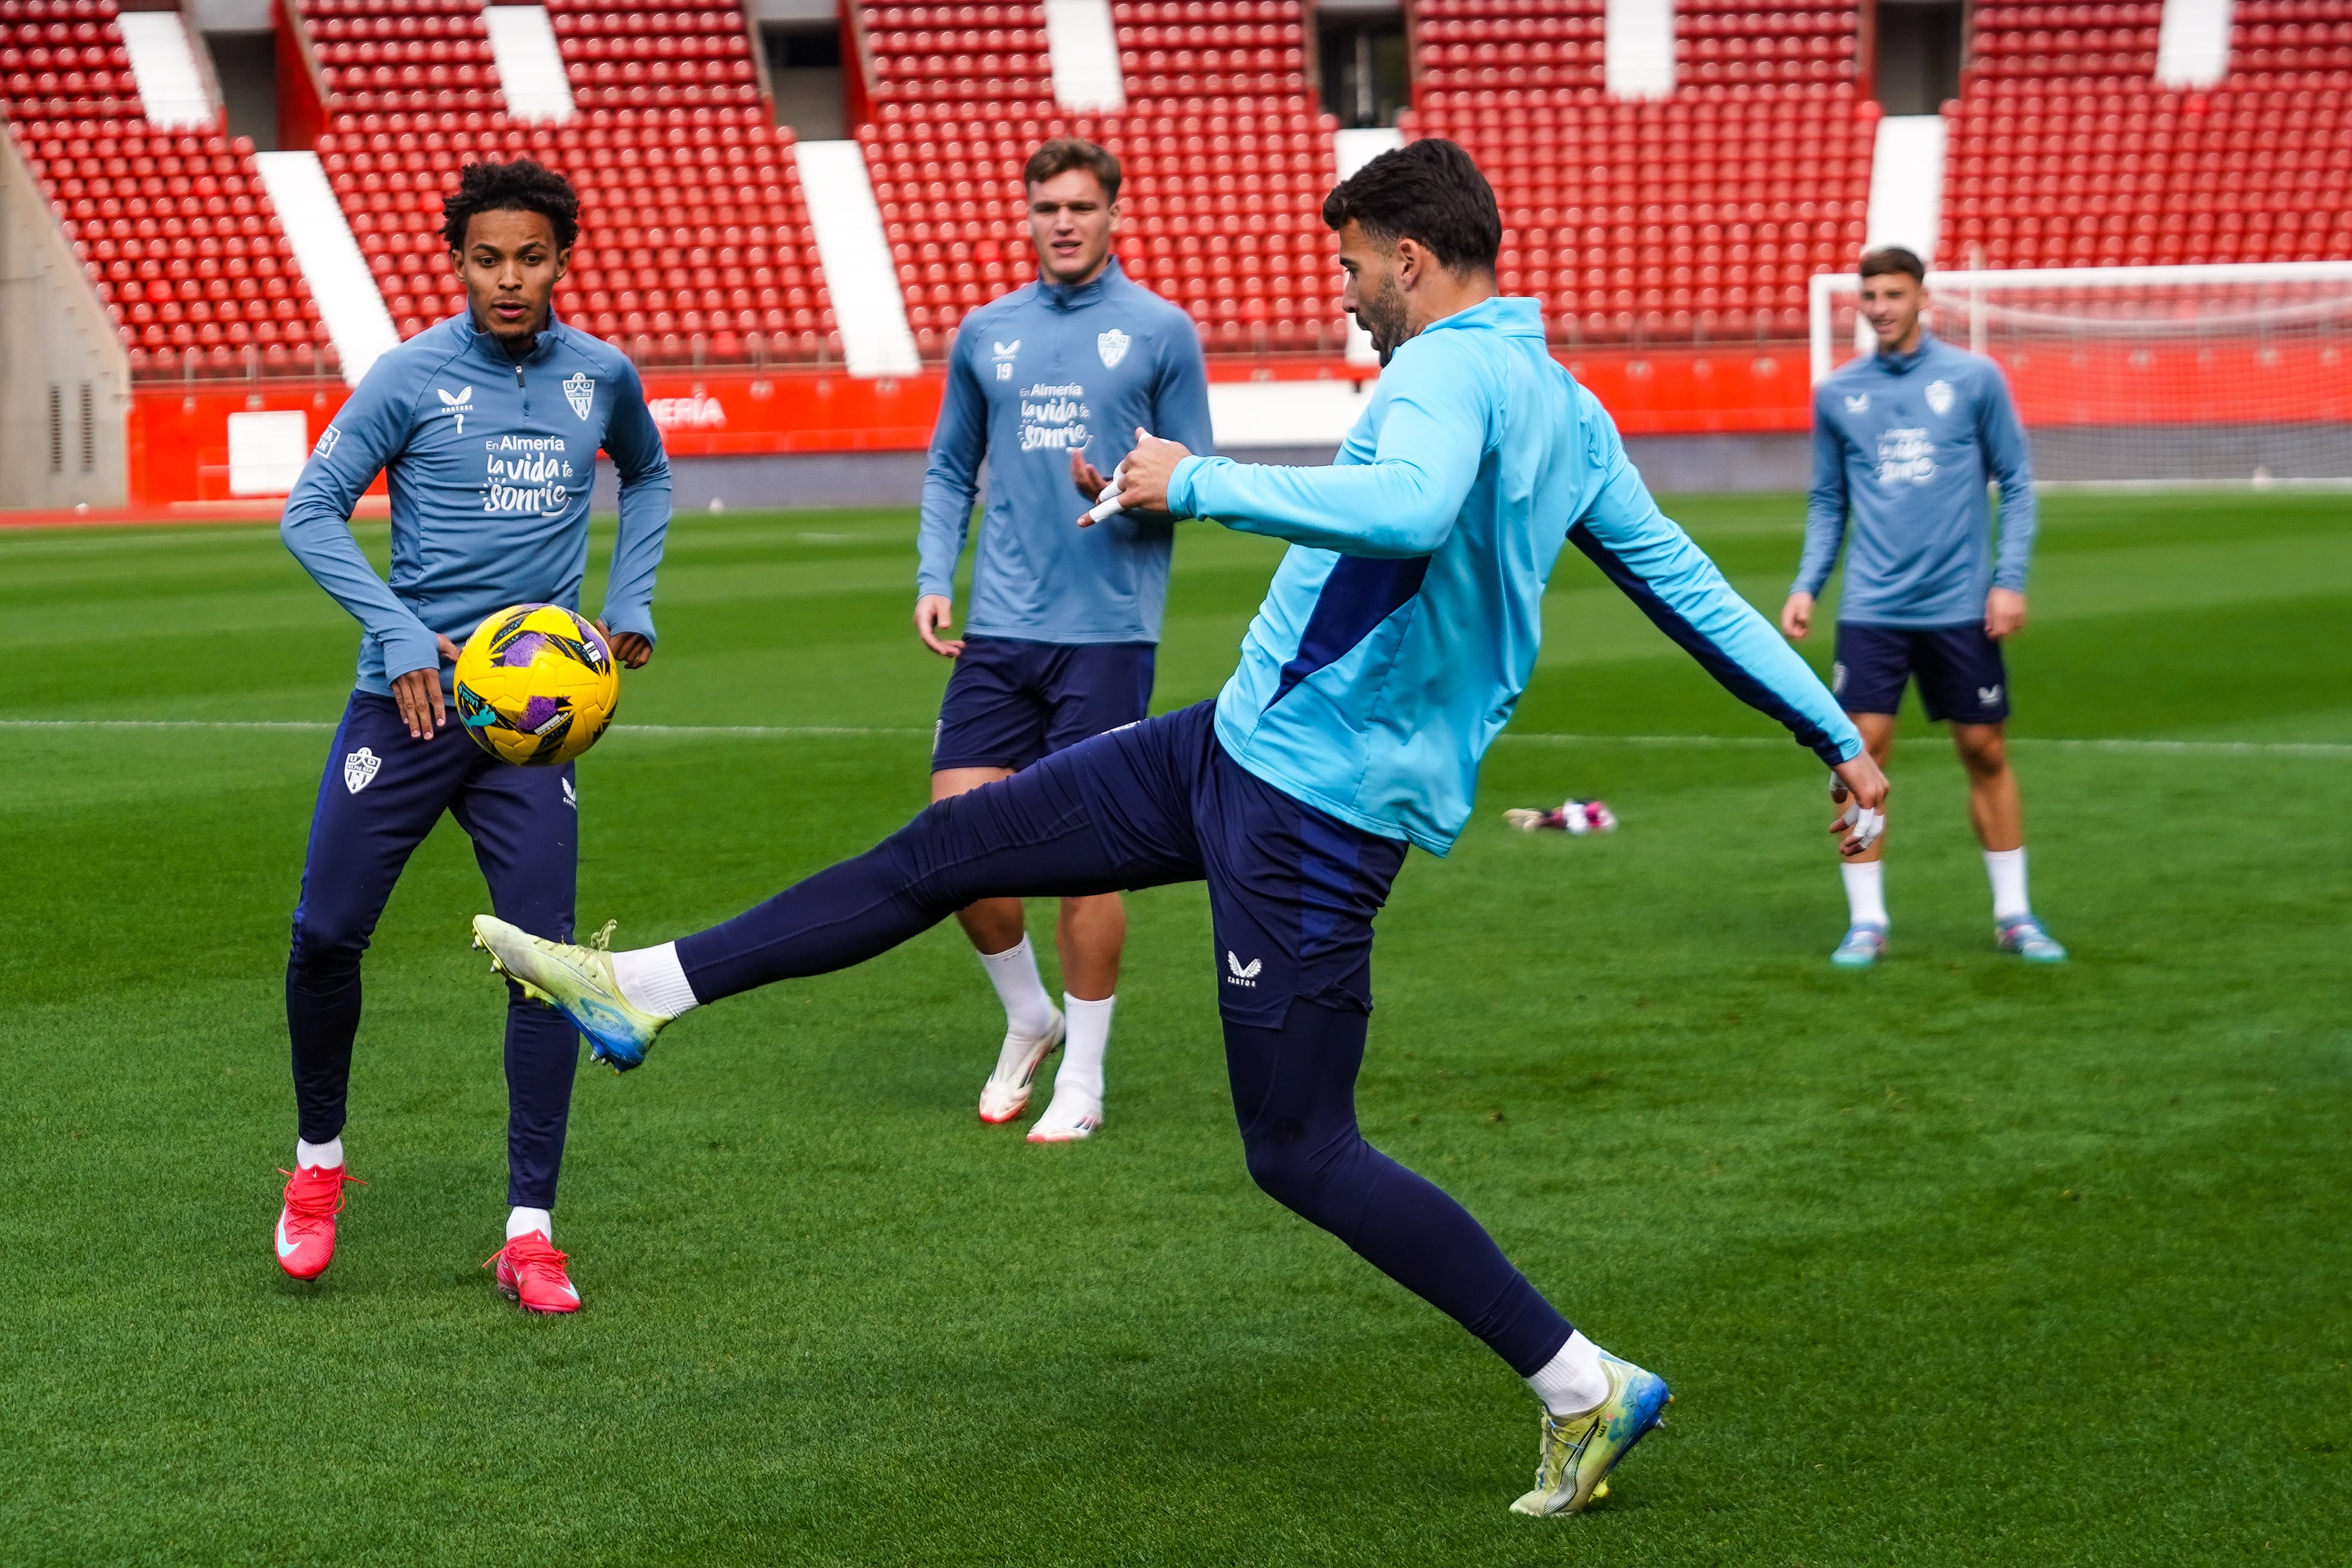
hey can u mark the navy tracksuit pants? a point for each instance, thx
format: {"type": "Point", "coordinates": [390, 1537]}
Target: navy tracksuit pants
{"type": "Point", "coordinates": [1293, 892]}
{"type": "Point", "coordinates": [382, 792]}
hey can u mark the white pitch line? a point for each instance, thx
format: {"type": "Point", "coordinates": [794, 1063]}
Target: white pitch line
{"type": "Point", "coordinates": [890, 733]}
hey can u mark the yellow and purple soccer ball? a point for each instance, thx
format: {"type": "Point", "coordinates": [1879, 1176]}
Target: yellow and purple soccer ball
{"type": "Point", "coordinates": [536, 685]}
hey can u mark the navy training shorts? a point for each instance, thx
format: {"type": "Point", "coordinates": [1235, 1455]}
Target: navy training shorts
{"type": "Point", "coordinates": [1293, 890]}
{"type": "Point", "coordinates": [1961, 675]}
{"type": "Point", "coordinates": [1012, 701]}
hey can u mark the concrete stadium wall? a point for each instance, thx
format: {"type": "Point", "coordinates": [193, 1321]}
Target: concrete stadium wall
{"type": "Point", "coordinates": [65, 381]}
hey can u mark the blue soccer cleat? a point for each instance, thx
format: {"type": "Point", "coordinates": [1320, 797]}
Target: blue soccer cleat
{"type": "Point", "coordinates": [577, 982]}
{"type": "Point", "coordinates": [1863, 946]}
{"type": "Point", "coordinates": [1576, 1453]}
{"type": "Point", "coordinates": [2024, 937]}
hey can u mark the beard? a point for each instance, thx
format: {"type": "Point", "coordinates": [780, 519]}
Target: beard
{"type": "Point", "coordinates": [1383, 316]}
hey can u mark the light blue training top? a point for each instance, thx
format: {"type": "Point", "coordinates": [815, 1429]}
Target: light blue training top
{"type": "Point", "coordinates": [1906, 442]}
{"type": "Point", "coordinates": [1403, 623]}
{"type": "Point", "coordinates": [1036, 375]}
{"type": "Point", "coordinates": [490, 460]}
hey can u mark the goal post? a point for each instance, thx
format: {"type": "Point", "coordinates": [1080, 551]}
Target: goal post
{"type": "Point", "coordinates": [2177, 376]}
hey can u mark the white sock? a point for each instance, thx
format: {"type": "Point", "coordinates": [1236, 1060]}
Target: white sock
{"type": "Point", "coordinates": [1082, 1050]}
{"type": "Point", "coordinates": [1866, 893]}
{"type": "Point", "coordinates": [652, 978]}
{"type": "Point", "coordinates": [522, 1221]}
{"type": "Point", "coordinates": [1027, 1009]}
{"type": "Point", "coordinates": [2007, 870]}
{"type": "Point", "coordinates": [329, 1154]}
{"type": "Point", "coordinates": [1572, 1382]}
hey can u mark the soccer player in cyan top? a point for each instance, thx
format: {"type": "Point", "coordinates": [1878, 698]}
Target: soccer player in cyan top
{"type": "Point", "coordinates": [1903, 441]}
{"type": "Point", "coordinates": [1396, 636]}
{"type": "Point", "coordinates": [487, 427]}
{"type": "Point", "coordinates": [1047, 384]}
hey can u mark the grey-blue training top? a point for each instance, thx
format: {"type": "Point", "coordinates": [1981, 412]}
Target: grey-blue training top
{"type": "Point", "coordinates": [490, 460]}
{"type": "Point", "coordinates": [1035, 376]}
{"type": "Point", "coordinates": [1905, 443]}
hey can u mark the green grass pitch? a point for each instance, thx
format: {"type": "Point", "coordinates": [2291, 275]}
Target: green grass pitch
{"type": "Point", "coordinates": [1953, 1262]}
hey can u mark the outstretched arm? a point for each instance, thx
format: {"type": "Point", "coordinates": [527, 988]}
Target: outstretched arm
{"type": "Point", "coordinates": [1400, 504]}
{"type": "Point", "coordinates": [1658, 567]}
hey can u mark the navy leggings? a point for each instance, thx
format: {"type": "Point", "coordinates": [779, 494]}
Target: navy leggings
{"type": "Point", "coordinates": [1133, 809]}
{"type": "Point", "coordinates": [381, 794]}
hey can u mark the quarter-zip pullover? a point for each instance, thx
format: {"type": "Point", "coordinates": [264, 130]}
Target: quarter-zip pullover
{"type": "Point", "coordinates": [489, 459]}
{"type": "Point", "coordinates": [1037, 375]}
{"type": "Point", "coordinates": [1403, 622]}
{"type": "Point", "coordinates": [1905, 443]}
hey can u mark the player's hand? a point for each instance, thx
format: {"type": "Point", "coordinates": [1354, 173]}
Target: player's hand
{"type": "Point", "coordinates": [1859, 789]}
{"type": "Point", "coordinates": [632, 649]}
{"type": "Point", "coordinates": [1797, 617]}
{"type": "Point", "coordinates": [934, 613]}
{"type": "Point", "coordinates": [2004, 613]}
{"type": "Point", "coordinates": [1146, 473]}
{"type": "Point", "coordinates": [1091, 481]}
{"type": "Point", "coordinates": [418, 696]}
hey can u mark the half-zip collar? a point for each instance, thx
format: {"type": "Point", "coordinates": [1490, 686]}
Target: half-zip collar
{"type": "Point", "coordinates": [1079, 296]}
{"type": "Point", "coordinates": [1903, 364]}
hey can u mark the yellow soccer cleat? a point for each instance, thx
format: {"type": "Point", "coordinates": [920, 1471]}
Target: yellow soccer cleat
{"type": "Point", "coordinates": [1576, 1453]}
{"type": "Point", "coordinates": [577, 982]}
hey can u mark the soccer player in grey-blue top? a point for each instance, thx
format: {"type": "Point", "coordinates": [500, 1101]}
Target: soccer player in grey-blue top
{"type": "Point", "coordinates": [1904, 442]}
{"type": "Point", "coordinates": [487, 427]}
{"type": "Point", "coordinates": [1045, 385]}
{"type": "Point", "coordinates": [1395, 639]}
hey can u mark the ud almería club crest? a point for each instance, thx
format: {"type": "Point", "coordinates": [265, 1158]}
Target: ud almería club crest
{"type": "Point", "coordinates": [1112, 346]}
{"type": "Point", "coordinates": [360, 769]}
{"type": "Point", "coordinates": [580, 391]}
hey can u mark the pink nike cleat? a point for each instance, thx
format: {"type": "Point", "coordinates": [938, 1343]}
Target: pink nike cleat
{"type": "Point", "coordinates": [530, 1275]}
{"type": "Point", "coordinates": [305, 1225]}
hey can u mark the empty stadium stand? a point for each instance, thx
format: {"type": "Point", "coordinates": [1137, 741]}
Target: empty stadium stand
{"type": "Point", "coordinates": [698, 246]}
{"type": "Point", "coordinates": [173, 227]}
{"type": "Point", "coordinates": [1697, 217]}
{"type": "Point", "coordinates": [2066, 152]}
{"type": "Point", "coordinates": [1684, 211]}
{"type": "Point", "coordinates": [1227, 159]}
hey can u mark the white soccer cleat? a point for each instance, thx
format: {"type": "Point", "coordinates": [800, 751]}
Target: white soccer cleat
{"type": "Point", "coordinates": [1070, 1117]}
{"type": "Point", "coordinates": [1005, 1095]}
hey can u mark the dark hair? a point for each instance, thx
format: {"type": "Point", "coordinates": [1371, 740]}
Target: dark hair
{"type": "Point", "coordinates": [1063, 154]}
{"type": "Point", "coordinates": [520, 187]}
{"type": "Point", "coordinates": [1889, 259]}
{"type": "Point", "coordinates": [1430, 191]}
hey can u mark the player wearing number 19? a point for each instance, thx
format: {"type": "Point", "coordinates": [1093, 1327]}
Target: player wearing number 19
{"type": "Point", "coordinates": [1045, 383]}
{"type": "Point", "coordinates": [487, 427]}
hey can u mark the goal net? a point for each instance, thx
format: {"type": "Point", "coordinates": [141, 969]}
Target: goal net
{"type": "Point", "coordinates": [2221, 374]}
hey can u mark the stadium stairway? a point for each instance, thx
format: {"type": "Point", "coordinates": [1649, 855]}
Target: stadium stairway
{"type": "Point", "coordinates": [336, 273]}
{"type": "Point", "coordinates": [532, 74]}
{"type": "Point", "coordinates": [847, 229]}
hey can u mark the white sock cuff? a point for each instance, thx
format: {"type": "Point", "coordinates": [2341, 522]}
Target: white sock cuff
{"type": "Point", "coordinates": [1079, 1007]}
{"type": "Point", "coordinates": [329, 1154]}
{"type": "Point", "coordinates": [1028, 1010]}
{"type": "Point", "coordinates": [2006, 870]}
{"type": "Point", "coordinates": [1572, 1382]}
{"type": "Point", "coordinates": [1865, 892]}
{"type": "Point", "coordinates": [652, 978]}
{"type": "Point", "coordinates": [522, 1221]}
